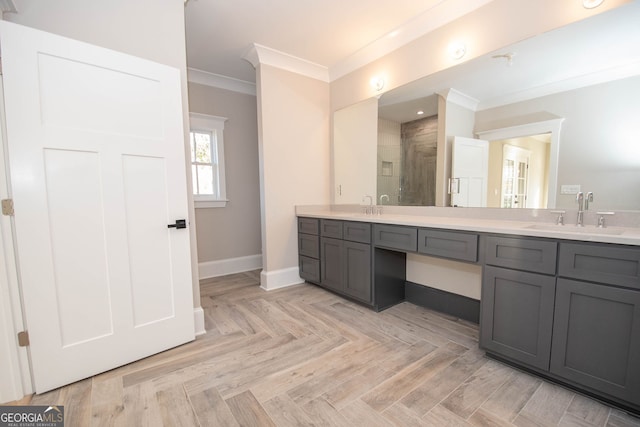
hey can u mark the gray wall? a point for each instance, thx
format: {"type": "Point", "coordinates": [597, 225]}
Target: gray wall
{"type": "Point", "coordinates": [232, 231]}
{"type": "Point", "coordinates": [599, 146]}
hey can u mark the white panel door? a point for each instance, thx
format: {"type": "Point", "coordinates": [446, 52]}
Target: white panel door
{"type": "Point", "coordinates": [96, 157]}
{"type": "Point", "coordinates": [469, 172]}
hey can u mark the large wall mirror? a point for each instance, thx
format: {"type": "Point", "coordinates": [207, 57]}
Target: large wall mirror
{"type": "Point", "coordinates": [560, 112]}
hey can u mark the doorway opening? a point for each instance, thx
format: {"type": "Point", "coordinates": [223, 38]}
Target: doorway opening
{"type": "Point", "coordinates": [542, 139]}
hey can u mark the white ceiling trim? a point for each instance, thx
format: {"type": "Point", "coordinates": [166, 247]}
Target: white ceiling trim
{"type": "Point", "coordinates": [222, 82]}
{"type": "Point", "coordinates": [259, 54]}
{"type": "Point", "coordinates": [440, 14]}
{"type": "Point", "coordinates": [459, 98]}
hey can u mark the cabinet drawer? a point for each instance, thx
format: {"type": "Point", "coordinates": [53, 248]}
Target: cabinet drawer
{"type": "Point", "coordinates": [309, 245]}
{"type": "Point", "coordinates": [522, 254]}
{"type": "Point", "coordinates": [448, 244]}
{"type": "Point", "coordinates": [356, 232]}
{"type": "Point", "coordinates": [308, 225]}
{"type": "Point", "coordinates": [309, 269]}
{"type": "Point", "coordinates": [331, 228]}
{"type": "Point", "coordinates": [396, 237]}
{"type": "Point", "coordinates": [611, 264]}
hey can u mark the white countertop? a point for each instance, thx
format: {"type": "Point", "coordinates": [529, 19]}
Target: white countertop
{"type": "Point", "coordinates": [536, 228]}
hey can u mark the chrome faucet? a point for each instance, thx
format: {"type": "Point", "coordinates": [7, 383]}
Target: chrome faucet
{"type": "Point", "coordinates": [368, 209]}
{"type": "Point", "coordinates": [560, 218]}
{"type": "Point", "coordinates": [580, 200]}
{"type": "Point", "coordinates": [587, 199]}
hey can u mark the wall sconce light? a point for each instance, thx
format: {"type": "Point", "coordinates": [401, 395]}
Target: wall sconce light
{"type": "Point", "coordinates": [457, 50]}
{"type": "Point", "coordinates": [377, 83]}
{"type": "Point", "coordinates": [420, 112]}
{"type": "Point", "coordinates": [591, 4]}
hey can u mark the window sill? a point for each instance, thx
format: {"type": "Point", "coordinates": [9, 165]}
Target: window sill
{"type": "Point", "coordinates": [205, 204]}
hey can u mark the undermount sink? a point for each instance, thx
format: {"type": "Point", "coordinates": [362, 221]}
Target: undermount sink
{"type": "Point", "coordinates": [574, 229]}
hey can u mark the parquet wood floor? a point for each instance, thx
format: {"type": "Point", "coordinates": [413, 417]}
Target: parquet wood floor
{"type": "Point", "coordinates": [302, 356]}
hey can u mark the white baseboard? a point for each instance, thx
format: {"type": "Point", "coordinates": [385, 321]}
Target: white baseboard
{"type": "Point", "coordinates": [207, 270]}
{"type": "Point", "coordinates": [198, 321]}
{"type": "Point", "coordinates": [280, 278]}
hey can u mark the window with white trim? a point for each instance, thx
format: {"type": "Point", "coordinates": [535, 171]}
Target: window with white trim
{"type": "Point", "coordinates": [207, 160]}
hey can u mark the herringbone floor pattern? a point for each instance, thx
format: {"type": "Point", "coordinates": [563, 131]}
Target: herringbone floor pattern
{"type": "Point", "coordinates": [303, 356]}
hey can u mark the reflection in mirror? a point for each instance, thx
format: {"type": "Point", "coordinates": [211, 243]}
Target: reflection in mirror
{"type": "Point", "coordinates": [407, 162]}
{"type": "Point", "coordinates": [518, 172]}
{"type": "Point", "coordinates": [407, 152]}
{"type": "Point", "coordinates": [583, 78]}
{"type": "Point", "coordinates": [354, 155]}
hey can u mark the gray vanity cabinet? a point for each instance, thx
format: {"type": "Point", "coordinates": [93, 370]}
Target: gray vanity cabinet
{"type": "Point", "coordinates": [596, 333]}
{"type": "Point", "coordinates": [517, 315]}
{"type": "Point", "coordinates": [309, 249]}
{"type": "Point", "coordinates": [579, 323]}
{"type": "Point", "coordinates": [346, 264]}
{"type": "Point", "coordinates": [596, 338]}
{"type": "Point", "coordinates": [518, 292]}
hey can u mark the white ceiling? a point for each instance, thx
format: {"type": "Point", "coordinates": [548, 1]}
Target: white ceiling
{"type": "Point", "coordinates": [340, 35]}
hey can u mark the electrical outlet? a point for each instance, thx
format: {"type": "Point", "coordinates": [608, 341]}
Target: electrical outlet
{"type": "Point", "coordinates": [570, 189]}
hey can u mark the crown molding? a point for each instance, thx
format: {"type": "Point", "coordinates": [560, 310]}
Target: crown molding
{"type": "Point", "coordinates": [572, 83]}
{"type": "Point", "coordinates": [222, 82]}
{"type": "Point", "coordinates": [259, 54]}
{"type": "Point", "coordinates": [439, 14]}
{"type": "Point", "coordinates": [459, 98]}
{"type": "Point", "coordinates": [8, 6]}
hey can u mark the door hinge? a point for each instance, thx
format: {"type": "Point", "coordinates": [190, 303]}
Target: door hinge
{"type": "Point", "coordinates": [23, 339]}
{"type": "Point", "coordinates": [7, 207]}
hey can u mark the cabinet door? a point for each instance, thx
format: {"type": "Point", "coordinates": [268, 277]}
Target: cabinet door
{"type": "Point", "coordinates": [331, 259]}
{"type": "Point", "coordinates": [517, 315]}
{"type": "Point", "coordinates": [357, 270]}
{"type": "Point", "coordinates": [596, 338]}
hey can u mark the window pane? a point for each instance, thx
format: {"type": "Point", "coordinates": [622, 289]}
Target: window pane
{"type": "Point", "coordinates": [194, 177]}
{"type": "Point", "coordinates": [205, 179]}
{"type": "Point", "coordinates": [193, 149]}
{"type": "Point", "coordinates": [203, 147]}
